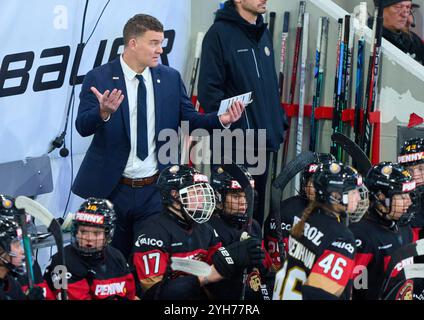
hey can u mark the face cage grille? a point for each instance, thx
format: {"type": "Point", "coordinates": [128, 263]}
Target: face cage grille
{"type": "Point", "coordinates": [198, 201]}
{"type": "Point", "coordinates": [362, 206]}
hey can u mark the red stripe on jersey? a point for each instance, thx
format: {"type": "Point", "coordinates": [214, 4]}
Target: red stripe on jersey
{"type": "Point", "coordinates": [211, 252]}
{"type": "Point", "coordinates": [150, 263]}
{"type": "Point", "coordinates": [123, 287]}
{"type": "Point", "coordinates": [79, 290]}
{"type": "Point", "coordinates": [267, 262]}
{"type": "Point", "coordinates": [334, 266]}
{"type": "Point", "coordinates": [416, 234]}
{"type": "Point", "coordinates": [362, 261]}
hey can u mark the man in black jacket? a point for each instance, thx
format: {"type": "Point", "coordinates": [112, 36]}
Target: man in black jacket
{"type": "Point", "coordinates": [238, 57]}
{"type": "Point", "coordinates": [396, 14]}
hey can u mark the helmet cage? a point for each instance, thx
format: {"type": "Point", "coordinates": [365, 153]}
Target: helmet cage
{"type": "Point", "coordinates": [198, 201]}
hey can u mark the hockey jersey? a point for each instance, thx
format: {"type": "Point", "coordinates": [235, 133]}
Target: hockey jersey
{"type": "Point", "coordinates": [259, 283]}
{"type": "Point", "coordinates": [375, 243]}
{"type": "Point", "coordinates": [326, 249]}
{"type": "Point", "coordinates": [289, 208]}
{"type": "Point", "coordinates": [104, 278]}
{"type": "Point", "coordinates": [164, 236]}
{"type": "Point", "coordinates": [10, 289]}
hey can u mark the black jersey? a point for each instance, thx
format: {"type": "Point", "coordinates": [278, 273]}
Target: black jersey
{"type": "Point", "coordinates": [164, 236]}
{"type": "Point", "coordinates": [259, 282]}
{"type": "Point", "coordinates": [38, 279]}
{"type": "Point", "coordinates": [10, 289]}
{"type": "Point", "coordinates": [289, 208]}
{"type": "Point", "coordinates": [375, 243]}
{"type": "Point", "coordinates": [326, 250]}
{"type": "Point", "coordinates": [108, 277]}
{"type": "Point", "coordinates": [417, 224]}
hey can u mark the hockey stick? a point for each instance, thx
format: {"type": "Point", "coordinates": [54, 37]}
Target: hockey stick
{"type": "Point", "coordinates": [409, 251]}
{"type": "Point", "coordinates": [284, 37]}
{"type": "Point", "coordinates": [39, 212]}
{"type": "Point", "coordinates": [289, 171]}
{"type": "Point", "coordinates": [187, 144]}
{"type": "Point", "coordinates": [191, 266]}
{"type": "Point", "coordinates": [292, 91]}
{"type": "Point", "coordinates": [363, 164]}
{"type": "Point", "coordinates": [372, 82]}
{"type": "Point", "coordinates": [336, 93]}
{"type": "Point", "coordinates": [299, 139]}
{"type": "Point", "coordinates": [26, 239]}
{"type": "Point", "coordinates": [271, 25]}
{"type": "Point", "coordinates": [320, 60]}
{"type": "Point", "coordinates": [360, 72]}
{"type": "Point", "coordinates": [292, 168]}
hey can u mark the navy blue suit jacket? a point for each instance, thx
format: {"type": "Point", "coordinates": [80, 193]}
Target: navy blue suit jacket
{"type": "Point", "coordinates": [108, 153]}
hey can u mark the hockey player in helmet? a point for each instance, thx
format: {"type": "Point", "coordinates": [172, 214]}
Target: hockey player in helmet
{"type": "Point", "coordinates": [411, 156]}
{"type": "Point", "coordinates": [381, 233]}
{"type": "Point", "coordinates": [182, 230]}
{"type": "Point", "coordinates": [291, 207]}
{"type": "Point", "coordinates": [321, 248]}
{"type": "Point", "coordinates": [94, 269]}
{"type": "Point", "coordinates": [11, 260]}
{"type": "Point", "coordinates": [9, 211]}
{"type": "Point", "coordinates": [231, 222]}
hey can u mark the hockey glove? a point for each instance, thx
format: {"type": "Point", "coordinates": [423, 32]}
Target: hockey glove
{"type": "Point", "coordinates": [232, 259]}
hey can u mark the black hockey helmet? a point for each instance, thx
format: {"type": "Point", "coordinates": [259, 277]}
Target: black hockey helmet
{"type": "Point", "coordinates": [412, 152]}
{"type": "Point", "coordinates": [223, 184]}
{"type": "Point", "coordinates": [336, 178]}
{"type": "Point", "coordinates": [94, 212]}
{"type": "Point", "coordinates": [389, 179]}
{"type": "Point", "coordinates": [10, 232]}
{"type": "Point", "coordinates": [7, 206]}
{"type": "Point", "coordinates": [311, 168]}
{"type": "Point", "coordinates": [195, 195]}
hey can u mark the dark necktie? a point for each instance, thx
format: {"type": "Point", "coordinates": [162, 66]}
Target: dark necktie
{"type": "Point", "coordinates": [142, 145]}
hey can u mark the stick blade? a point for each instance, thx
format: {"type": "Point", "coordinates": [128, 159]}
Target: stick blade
{"type": "Point", "coordinates": [34, 209]}
{"type": "Point", "coordinates": [190, 266]}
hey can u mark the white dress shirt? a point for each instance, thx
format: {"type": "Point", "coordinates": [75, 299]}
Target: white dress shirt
{"type": "Point", "coordinates": [136, 168]}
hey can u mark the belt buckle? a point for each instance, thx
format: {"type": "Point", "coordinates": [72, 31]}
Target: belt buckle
{"type": "Point", "coordinates": [133, 183]}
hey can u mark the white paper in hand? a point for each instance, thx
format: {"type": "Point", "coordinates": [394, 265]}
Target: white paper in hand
{"type": "Point", "coordinates": [225, 104]}
{"type": "Point", "coordinates": [190, 266]}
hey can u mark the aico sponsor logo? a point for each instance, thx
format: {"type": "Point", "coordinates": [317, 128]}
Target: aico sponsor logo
{"type": "Point", "coordinates": [410, 157]}
{"type": "Point", "coordinates": [142, 240]}
{"type": "Point", "coordinates": [408, 186]}
{"type": "Point", "coordinates": [311, 233]}
{"type": "Point", "coordinates": [110, 289]}
{"type": "Point", "coordinates": [89, 217]}
{"type": "Point", "coordinates": [399, 267]}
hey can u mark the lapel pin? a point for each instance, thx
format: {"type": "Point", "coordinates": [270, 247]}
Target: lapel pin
{"type": "Point", "coordinates": [158, 80]}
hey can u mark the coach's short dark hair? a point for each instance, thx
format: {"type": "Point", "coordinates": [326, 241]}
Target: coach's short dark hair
{"type": "Point", "coordinates": [139, 24]}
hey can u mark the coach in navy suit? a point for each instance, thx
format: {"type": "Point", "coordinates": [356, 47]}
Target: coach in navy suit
{"type": "Point", "coordinates": [125, 104]}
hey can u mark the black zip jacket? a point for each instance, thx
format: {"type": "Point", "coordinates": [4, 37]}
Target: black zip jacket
{"type": "Point", "coordinates": [238, 57]}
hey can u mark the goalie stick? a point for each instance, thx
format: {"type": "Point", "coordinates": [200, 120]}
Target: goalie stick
{"type": "Point", "coordinates": [363, 164]}
{"type": "Point", "coordinates": [39, 212]}
{"type": "Point", "coordinates": [408, 251]}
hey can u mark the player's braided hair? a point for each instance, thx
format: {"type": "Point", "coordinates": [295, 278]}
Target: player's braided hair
{"type": "Point", "coordinates": [297, 229]}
